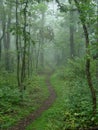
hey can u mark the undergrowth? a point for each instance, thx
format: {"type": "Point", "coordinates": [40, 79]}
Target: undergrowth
{"type": "Point", "coordinates": [12, 107]}
{"type": "Point", "coordinates": [73, 107]}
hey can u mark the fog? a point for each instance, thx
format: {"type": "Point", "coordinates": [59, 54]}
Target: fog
{"type": "Point", "coordinates": [48, 52]}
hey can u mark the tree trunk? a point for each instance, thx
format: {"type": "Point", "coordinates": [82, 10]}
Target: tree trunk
{"type": "Point", "coordinates": [72, 51]}
{"type": "Point", "coordinates": [88, 74]}
{"type": "Point", "coordinates": [23, 69]}
{"type": "Point", "coordinates": [0, 49]}
{"type": "Point", "coordinates": [6, 51]}
{"type": "Point", "coordinates": [29, 55]}
{"type": "Point", "coordinates": [17, 47]}
{"type": "Point", "coordinates": [42, 41]}
{"type": "Point", "coordinates": [6, 38]}
{"type": "Point", "coordinates": [3, 31]}
{"type": "Point", "coordinates": [8, 56]}
{"type": "Point", "coordinates": [97, 42]}
{"type": "Point", "coordinates": [37, 55]}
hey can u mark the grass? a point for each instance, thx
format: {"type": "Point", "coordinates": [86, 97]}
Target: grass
{"type": "Point", "coordinates": [72, 108]}
{"type": "Point", "coordinates": [11, 108]}
{"type": "Point", "coordinates": [55, 111]}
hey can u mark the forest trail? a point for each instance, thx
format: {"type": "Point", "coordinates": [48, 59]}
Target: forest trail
{"type": "Point", "coordinates": [45, 105]}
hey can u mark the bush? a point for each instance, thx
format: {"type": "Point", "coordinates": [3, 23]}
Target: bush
{"type": "Point", "coordinates": [77, 96]}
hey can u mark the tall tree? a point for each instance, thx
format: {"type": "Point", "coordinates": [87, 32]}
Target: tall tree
{"type": "Point", "coordinates": [17, 46]}
{"type": "Point", "coordinates": [64, 8]}
{"type": "Point", "coordinates": [42, 39]}
{"type": "Point", "coordinates": [7, 23]}
{"type": "Point", "coordinates": [97, 41]}
{"type": "Point", "coordinates": [83, 16]}
{"type": "Point", "coordinates": [23, 69]}
{"type": "Point", "coordinates": [2, 16]}
{"type": "Point", "coordinates": [72, 46]}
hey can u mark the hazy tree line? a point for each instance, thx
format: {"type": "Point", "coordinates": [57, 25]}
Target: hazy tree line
{"type": "Point", "coordinates": [22, 37]}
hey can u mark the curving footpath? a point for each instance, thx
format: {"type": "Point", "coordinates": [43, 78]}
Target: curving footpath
{"type": "Point", "coordinates": [45, 105]}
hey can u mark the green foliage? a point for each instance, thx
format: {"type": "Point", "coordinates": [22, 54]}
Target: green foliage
{"type": "Point", "coordinates": [73, 108]}
{"type": "Point", "coordinates": [12, 107]}
{"type": "Point", "coordinates": [74, 69]}
{"type": "Point", "coordinates": [78, 110]}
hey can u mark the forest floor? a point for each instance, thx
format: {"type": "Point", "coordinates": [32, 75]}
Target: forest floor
{"type": "Point", "coordinates": [22, 124]}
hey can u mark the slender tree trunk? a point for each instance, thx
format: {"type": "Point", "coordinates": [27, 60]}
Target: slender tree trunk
{"type": "Point", "coordinates": [0, 49]}
{"type": "Point", "coordinates": [3, 26]}
{"type": "Point", "coordinates": [42, 41]}
{"type": "Point", "coordinates": [88, 74]}
{"type": "Point", "coordinates": [5, 52]}
{"type": "Point", "coordinates": [3, 31]}
{"type": "Point", "coordinates": [72, 51]}
{"type": "Point", "coordinates": [23, 69]}
{"type": "Point", "coordinates": [8, 63]}
{"type": "Point", "coordinates": [29, 55]}
{"type": "Point", "coordinates": [37, 56]}
{"type": "Point", "coordinates": [6, 48]}
{"type": "Point", "coordinates": [89, 79]}
{"type": "Point", "coordinates": [17, 47]}
{"type": "Point", "coordinates": [6, 38]}
{"type": "Point", "coordinates": [97, 42]}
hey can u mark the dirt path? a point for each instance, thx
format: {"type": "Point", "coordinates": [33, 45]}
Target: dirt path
{"type": "Point", "coordinates": [45, 105]}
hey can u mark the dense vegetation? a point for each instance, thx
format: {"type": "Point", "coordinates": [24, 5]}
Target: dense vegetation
{"type": "Point", "coordinates": [12, 106]}
{"type": "Point", "coordinates": [42, 36]}
{"type": "Point", "coordinates": [73, 108]}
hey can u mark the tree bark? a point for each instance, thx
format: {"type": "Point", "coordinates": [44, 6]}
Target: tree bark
{"type": "Point", "coordinates": [23, 69]}
{"type": "Point", "coordinates": [3, 32]}
{"type": "Point", "coordinates": [17, 47]}
{"type": "Point", "coordinates": [8, 56]}
{"type": "Point", "coordinates": [72, 50]}
{"type": "Point", "coordinates": [87, 43]}
{"type": "Point", "coordinates": [97, 42]}
{"type": "Point", "coordinates": [42, 41]}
